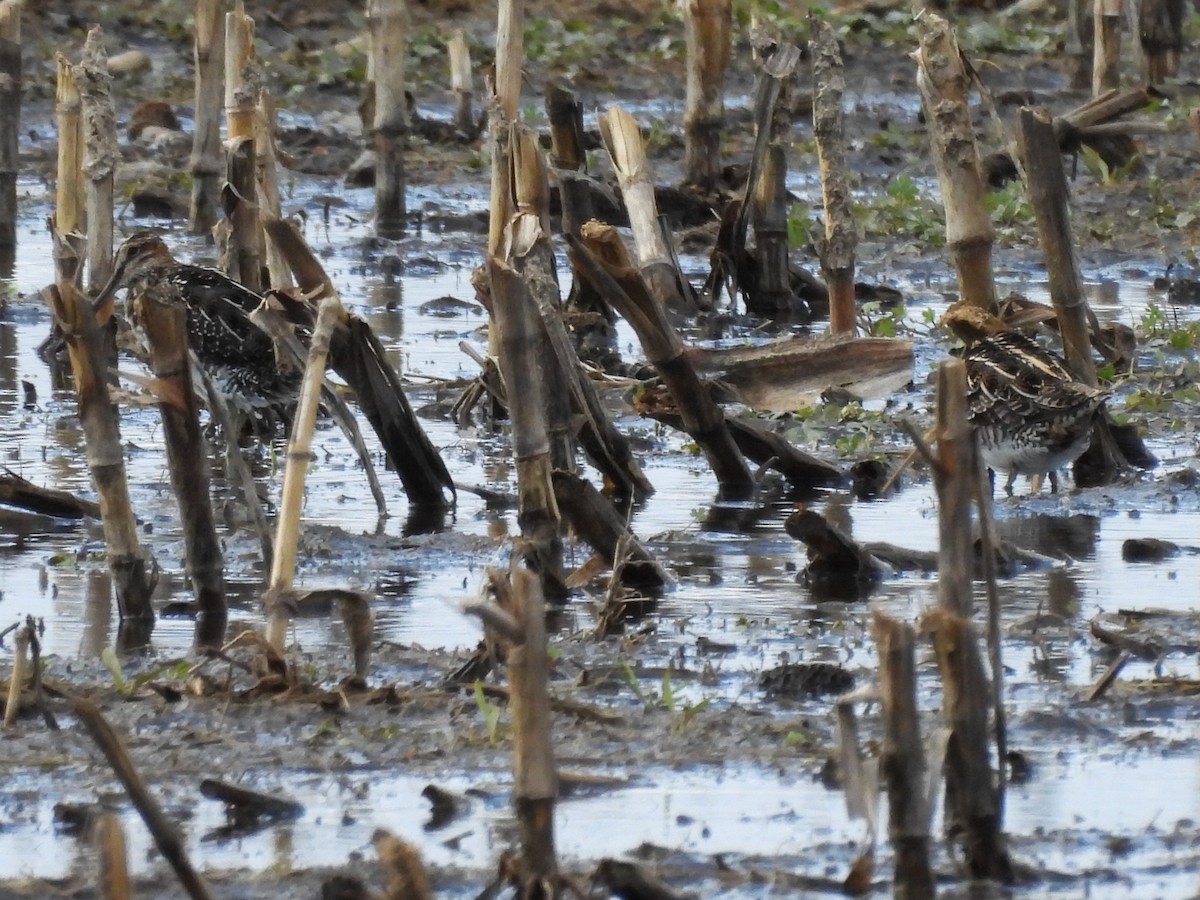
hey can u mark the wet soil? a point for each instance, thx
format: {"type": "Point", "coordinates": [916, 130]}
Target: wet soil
{"type": "Point", "coordinates": [673, 752]}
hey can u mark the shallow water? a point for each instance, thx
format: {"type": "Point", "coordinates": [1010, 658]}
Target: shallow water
{"type": "Point", "coordinates": [736, 583]}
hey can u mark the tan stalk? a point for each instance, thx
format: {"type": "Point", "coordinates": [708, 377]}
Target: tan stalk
{"type": "Point", "coordinates": [268, 188]}
{"type": "Point", "coordinates": [68, 107]}
{"type": "Point", "coordinates": [461, 82]}
{"type": "Point", "coordinates": [388, 22]}
{"type": "Point", "coordinates": [100, 154]}
{"type": "Point", "coordinates": [241, 99]}
{"type": "Point", "coordinates": [708, 29]}
{"type": "Point", "coordinates": [510, 56]}
{"type": "Point", "coordinates": [299, 457]}
{"type": "Point", "coordinates": [207, 162]}
{"type": "Point", "coordinates": [943, 82]}
{"type": "Point", "coordinates": [1106, 45]}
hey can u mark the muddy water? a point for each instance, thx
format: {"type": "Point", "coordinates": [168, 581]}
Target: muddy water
{"type": "Point", "coordinates": [736, 584]}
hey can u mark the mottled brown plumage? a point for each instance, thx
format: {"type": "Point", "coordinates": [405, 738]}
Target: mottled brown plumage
{"type": "Point", "coordinates": [1032, 415]}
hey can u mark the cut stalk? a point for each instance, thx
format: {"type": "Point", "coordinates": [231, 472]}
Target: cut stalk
{"type": "Point", "coordinates": [388, 21]}
{"type": "Point", "coordinates": [207, 164]}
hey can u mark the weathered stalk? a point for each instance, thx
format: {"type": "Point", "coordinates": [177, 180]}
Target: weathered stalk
{"type": "Point", "coordinates": [972, 807]}
{"type": "Point", "coordinates": [461, 83]}
{"type": "Point", "coordinates": [943, 81]}
{"type": "Point", "coordinates": [166, 835]}
{"type": "Point", "coordinates": [841, 236]}
{"type": "Point", "coordinates": [114, 882]}
{"type": "Point", "coordinates": [1106, 45]}
{"type": "Point", "coordinates": [502, 112]}
{"type": "Point", "coordinates": [241, 203]}
{"type": "Point", "coordinates": [773, 295]}
{"type": "Point", "coordinates": [388, 22]}
{"type": "Point", "coordinates": [207, 164]}
{"type": "Point", "coordinates": [568, 156]}
{"type": "Point", "coordinates": [1161, 34]}
{"type": "Point", "coordinates": [134, 573]}
{"type": "Point", "coordinates": [708, 28]}
{"type": "Point", "coordinates": [611, 272]}
{"type": "Point", "coordinates": [165, 327]}
{"type": "Point", "coordinates": [535, 778]}
{"type": "Point", "coordinates": [10, 125]}
{"type": "Point", "coordinates": [100, 154]}
{"type": "Point", "coordinates": [594, 519]}
{"type": "Point", "coordinates": [16, 678]}
{"type": "Point", "coordinates": [268, 188]}
{"type": "Point", "coordinates": [518, 326]}
{"type": "Point", "coordinates": [1047, 186]}
{"type": "Point", "coordinates": [299, 456]}
{"type": "Point", "coordinates": [623, 141]}
{"type": "Point", "coordinates": [69, 199]}
{"type": "Point", "coordinates": [953, 482]}
{"type": "Point", "coordinates": [902, 758]}
{"type": "Point", "coordinates": [972, 803]}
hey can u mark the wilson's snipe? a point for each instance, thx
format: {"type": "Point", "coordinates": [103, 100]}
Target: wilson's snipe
{"type": "Point", "coordinates": [237, 354]}
{"type": "Point", "coordinates": [241, 357]}
{"type": "Point", "coordinates": [1032, 415]}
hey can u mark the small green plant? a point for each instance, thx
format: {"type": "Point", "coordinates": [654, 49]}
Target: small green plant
{"type": "Point", "coordinates": [902, 210]}
{"type": "Point", "coordinates": [490, 712]}
{"type": "Point", "coordinates": [126, 687]}
{"type": "Point", "coordinates": [1100, 170]}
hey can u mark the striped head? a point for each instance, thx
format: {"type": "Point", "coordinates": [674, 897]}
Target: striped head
{"type": "Point", "coordinates": [143, 252]}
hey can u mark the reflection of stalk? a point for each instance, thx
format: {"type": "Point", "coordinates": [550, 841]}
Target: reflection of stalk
{"type": "Point", "coordinates": [299, 455]}
{"type": "Point", "coordinates": [902, 757]}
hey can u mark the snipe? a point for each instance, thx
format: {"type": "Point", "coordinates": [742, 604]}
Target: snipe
{"type": "Point", "coordinates": [1031, 413]}
{"type": "Point", "coordinates": [237, 354]}
{"type": "Point", "coordinates": [242, 361]}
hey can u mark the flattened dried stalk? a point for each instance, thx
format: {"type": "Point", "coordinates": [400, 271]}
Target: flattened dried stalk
{"type": "Point", "coordinates": [943, 82]}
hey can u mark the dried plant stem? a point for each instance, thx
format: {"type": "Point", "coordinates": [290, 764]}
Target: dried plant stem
{"type": "Point", "coordinates": [1106, 45]}
{"type": "Point", "coordinates": [241, 99]}
{"type": "Point", "coordinates": [299, 456]}
{"type": "Point", "coordinates": [841, 236]}
{"type": "Point", "coordinates": [708, 26]}
{"type": "Point", "coordinates": [165, 327]}
{"type": "Point", "coordinates": [268, 188]}
{"type": "Point", "coordinates": [134, 574]}
{"type": "Point", "coordinates": [943, 82]}
{"type": "Point", "coordinates": [506, 97]}
{"type": "Point", "coordinates": [461, 83]}
{"type": "Point", "coordinates": [207, 163]}
{"type": "Point", "coordinates": [623, 140]}
{"type": "Point", "coordinates": [69, 201]}
{"type": "Point", "coordinates": [165, 834]}
{"type": "Point", "coordinates": [388, 21]}
{"type": "Point", "coordinates": [10, 124]}
{"type": "Point", "coordinates": [20, 671]}
{"type": "Point", "coordinates": [109, 838]}
{"type": "Point", "coordinates": [100, 156]}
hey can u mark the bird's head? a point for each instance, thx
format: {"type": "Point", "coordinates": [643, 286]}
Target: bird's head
{"type": "Point", "coordinates": [143, 249]}
{"type": "Point", "coordinates": [971, 323]}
